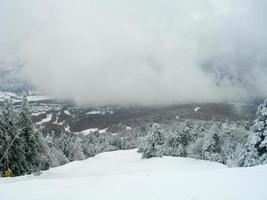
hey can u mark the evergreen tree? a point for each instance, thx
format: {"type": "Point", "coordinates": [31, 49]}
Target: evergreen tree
{"type": "Point", "coordinates": [63, 142]}
{"type": "Point", "coordinates": [211, 148]}
{"type": "Point", "coordinates": [14, 158]}
{"type": "Point", "coordinates": [3, 143]}
{"type": "Point", "coordinates": [154, 142]}
{"type": "Point", "coordinates": [255, 151]}
{"type": "Point", "coordinates": [232, 140]}
{"type": "Point", "coordinates": [89, 145]}
{"type": "Point", "coordinates": [54, 154]}
{"type": "Point", "coordinates": [31, 143]}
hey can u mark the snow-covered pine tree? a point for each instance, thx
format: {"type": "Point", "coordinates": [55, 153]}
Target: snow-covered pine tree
{"type": "Point", "coordinates": [178, 140]}
{"type": "Point", "coordinates": [3, 143]}
{"type": "Point", "coordinates": [255, 151]}
{"type": "Point", "coordinates": [14, 159]}
{"type": "Point", "coordinates": [232, 140]}
{"type": "Point", "coordinates": [154, 141]}
{"type": "Point", "coordinates": [63, 142]}
{"type": "Point", "coordinates": [89, 145]}
{"type": "Point", "coordinates": [211, 148]}
{"type": "Point", "coordinates": [31, 144]}
{"type": "Point", "coordinates": [76, 151]}
{"type": "Point", "coordinates": [44, 152]}
{"type": "Point", "coordinates": [54, 154]}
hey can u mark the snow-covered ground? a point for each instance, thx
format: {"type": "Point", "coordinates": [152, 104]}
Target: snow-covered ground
{"type": "Point", "coordinates": [67, 112]}
{"type": "Point", "coordinates": [92, 130]}
{"type": "Point", "coordinates": [196, 109]}
{"type": "Point", "coordinates": [38, 98]}
{"type": "Point", "coordinates": [9, 95]}
{"type": "Point", "coordinates": [18, 98]}
{"type": "Point", "coordinates": [100, 112]}
{"type": "Point", "coordinates": [124, 175]}
{"type": "Point", "coordinates": [97, 112]}
{"type": "Point", "coordinates": [47, 119]}
{"type": "Point", "coordinates": [38, 113]}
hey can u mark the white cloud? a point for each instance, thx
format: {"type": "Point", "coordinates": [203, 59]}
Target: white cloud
{"type": "Point", "coordinates": [145, 52]}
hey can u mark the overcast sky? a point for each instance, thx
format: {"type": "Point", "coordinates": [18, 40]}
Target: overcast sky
{"type": "Point", "coordinates": [138, 51]}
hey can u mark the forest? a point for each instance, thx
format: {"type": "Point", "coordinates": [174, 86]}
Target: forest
{"type": "Point", "coordinates": [25, 149]}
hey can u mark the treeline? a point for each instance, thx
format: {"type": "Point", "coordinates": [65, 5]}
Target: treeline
{"type": "Point", "coordinates": [214, 141]}
{"type": "Point", "coordinates": [25, 150]}
{"type": "Point", "coordinates": [58, 149]}
{"type": "Point", "coordinates": [235, 145]}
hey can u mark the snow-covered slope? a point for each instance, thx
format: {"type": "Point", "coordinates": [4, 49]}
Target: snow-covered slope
{"type": "Point", "coordinates": [16, 98]}
{"type": "Point", "coordinates": [124, 175]}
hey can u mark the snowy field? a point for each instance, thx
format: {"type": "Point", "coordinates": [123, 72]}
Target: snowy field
{"type": "Point", "coordinates": [123, 175]}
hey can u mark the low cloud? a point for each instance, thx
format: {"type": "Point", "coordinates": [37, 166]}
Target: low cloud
{"type": "Point", "coordinates": [141, 52]}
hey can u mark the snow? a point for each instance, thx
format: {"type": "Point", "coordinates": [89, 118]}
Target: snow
{"type": "Point", "coordinates": [98, 112]}
{"type": "Point", "coordinates": [103, 130]}
{"type": "Point", "coordinates": [94, 113]}
{"type": "Point", "coordinates": [4, 95]}
{"type": "Point", "coordinates": [18, 98]}
{"type": "Point", "coordinates": [89, 131]}
{"type": "Point", "coordinates": [196, 109]}
{"type": "Point", "coordinates": [67, 112]}
{"type": "Point", "coordinates": [67, 128]}
{"type": "Point", "coordinates": [124, 175]}
{"type": "Point", "coordinates": [47, 119]}
{"type": "Point", "coordinates": [9, 95]}
{"type": "Point", "coordinates": [38, 113]}
{"type": "Point", "coordinates": [38, 98]}
{"type": "Point", "coordinates": [93, 130]}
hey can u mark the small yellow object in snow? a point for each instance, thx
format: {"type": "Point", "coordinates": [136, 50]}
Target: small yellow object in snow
{"type": "Point", "coordinates": [8, 173]}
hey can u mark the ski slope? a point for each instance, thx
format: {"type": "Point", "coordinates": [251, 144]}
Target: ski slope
{"type": "Point", "coordinates": [123, 175]}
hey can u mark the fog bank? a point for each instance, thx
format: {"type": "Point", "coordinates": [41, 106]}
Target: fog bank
{"type": "Point", "coordinates": [140, 52]}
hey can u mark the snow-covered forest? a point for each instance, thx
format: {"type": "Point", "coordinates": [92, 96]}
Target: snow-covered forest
{"type": "Point", "coordinates": [142, 100]}
{"type": "Point", "coordinates": [25, 149]}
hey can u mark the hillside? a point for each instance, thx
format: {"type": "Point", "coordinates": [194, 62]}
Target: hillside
{"type": "Point", "coordinates": [124, 175]}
